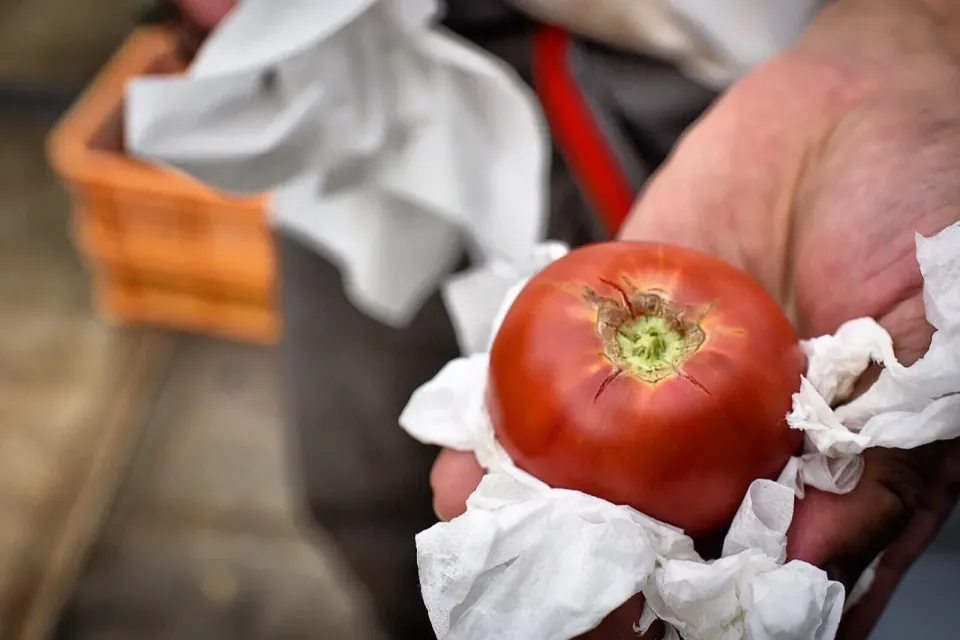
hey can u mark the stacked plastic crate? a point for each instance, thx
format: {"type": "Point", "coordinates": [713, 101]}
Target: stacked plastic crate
{"type": "Point", "coordinates": [163, 249]}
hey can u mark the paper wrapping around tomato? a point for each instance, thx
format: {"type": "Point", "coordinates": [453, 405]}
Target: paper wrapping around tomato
{"type": "Point", "coordinates": [531, 562]}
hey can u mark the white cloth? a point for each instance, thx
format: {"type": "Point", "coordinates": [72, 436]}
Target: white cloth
{"type": "Point", "coordinates": [389, 145]}
{"type": "Point", "coordinates": [528, 562]}
{"type": "Point", "coordinates": [713, 41]}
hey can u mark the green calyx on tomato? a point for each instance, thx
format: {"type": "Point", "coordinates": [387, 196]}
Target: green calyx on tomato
{"type": "Point", "coordinates": [651, 347]}
{"type": "Point", "coordinates": [644, 334]}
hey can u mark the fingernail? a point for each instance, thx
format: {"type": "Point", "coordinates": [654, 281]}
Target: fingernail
{"type": "Point", "coordinates": [437, 513]}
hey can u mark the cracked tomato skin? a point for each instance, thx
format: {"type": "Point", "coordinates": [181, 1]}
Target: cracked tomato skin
{"type": "Point", "coordinates": [682, 449]}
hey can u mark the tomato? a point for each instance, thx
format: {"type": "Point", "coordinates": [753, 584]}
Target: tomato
{"type": "Point", "coordinates": [648, 375]}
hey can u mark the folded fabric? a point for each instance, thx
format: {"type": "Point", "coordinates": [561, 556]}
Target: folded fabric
{"type": "Point", "coordinates": [390, 146]}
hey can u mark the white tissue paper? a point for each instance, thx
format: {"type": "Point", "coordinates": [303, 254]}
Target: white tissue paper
{"type": "Point", "coordinates": [529, 562]}
{"type": "Point", "coordinates": [388, 145]}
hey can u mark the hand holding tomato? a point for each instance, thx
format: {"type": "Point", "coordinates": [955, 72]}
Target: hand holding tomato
{"type": "Point", "coordinates": [812, 174]}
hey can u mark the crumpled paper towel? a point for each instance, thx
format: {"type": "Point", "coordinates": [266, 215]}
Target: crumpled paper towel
{"type": "Point", "coordinates": [529, 562]}
{"type": "Point", "coordinates": [388, 145]}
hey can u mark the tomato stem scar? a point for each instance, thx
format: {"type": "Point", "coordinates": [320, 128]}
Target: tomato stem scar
{"type": "Point", "coordinates": [645, 334]}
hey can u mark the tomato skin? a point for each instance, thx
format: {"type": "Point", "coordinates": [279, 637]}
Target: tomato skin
{"type": "Point", "coordinates": [683, 449]}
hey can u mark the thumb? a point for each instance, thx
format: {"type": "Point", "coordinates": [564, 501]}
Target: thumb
{"type": "Point", "coordinates": [621, 624]}
{"type": "Point", "coordinates": [935, 507]}
{"type": "Point", "coordinates": [455, 475]}
{"type": "Point", "coordinates": [845, 533]}
{"type": "Point", "coordinates": [900, 504]}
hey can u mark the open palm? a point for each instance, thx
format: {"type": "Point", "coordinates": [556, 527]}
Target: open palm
{"type": "Point", "coordinates": [813, 173]}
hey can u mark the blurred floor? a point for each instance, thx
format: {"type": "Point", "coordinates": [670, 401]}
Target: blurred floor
{"type": "Point", "coordinates": [71, 390]}
{"type": "Point", "coordinates": [202, 543]}
{"type": "Point", "coordinates": [143, 488]}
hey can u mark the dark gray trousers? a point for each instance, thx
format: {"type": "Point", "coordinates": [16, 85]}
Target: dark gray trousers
{"type": "Point", "coordinates": [347, 377]}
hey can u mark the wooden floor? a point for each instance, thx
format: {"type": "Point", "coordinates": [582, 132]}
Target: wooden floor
{"type": "Point", "coordinates": [202, 542]}
{"type": "Point", "coordinates": [71, 390]}
{"type": "Point", "coordinates": [143, 483]}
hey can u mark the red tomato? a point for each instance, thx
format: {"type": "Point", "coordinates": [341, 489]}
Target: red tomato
{"type": "Point", "coordinates": [647, 375]}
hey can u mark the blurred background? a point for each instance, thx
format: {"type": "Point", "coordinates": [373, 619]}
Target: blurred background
{"type": "Point", "coordinates": [143, 486]}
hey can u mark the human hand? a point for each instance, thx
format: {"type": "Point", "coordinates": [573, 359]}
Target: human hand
{"type": "Point", "coordinates": [206, 13]}
{"type": "Point", "coordinates": [192, 21]}
{"type": "Point", "coordinates": [813, 173]}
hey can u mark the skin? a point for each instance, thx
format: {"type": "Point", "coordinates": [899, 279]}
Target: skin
{"type": "Point", "coordinates": [813, 173]}
{"type": "Point", "coordinates": [816, 169]}
{"type": "Point", "coordinates": [206, 13]}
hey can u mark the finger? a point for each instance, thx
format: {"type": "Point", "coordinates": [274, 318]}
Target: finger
{"type": "Point", "coordinates": [455, 475]}
{"type": "Point", "coordinates": [207, 13]}
{"type": "Point", "coordinates": [935, 508]}
{"type": "Point", "coordinates": [844, 532]}
{"type": "Point", "coordinates": [622, 624]}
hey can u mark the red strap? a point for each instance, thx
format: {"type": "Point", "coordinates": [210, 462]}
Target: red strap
{"type": "Point", "coordinates": [594, 166]}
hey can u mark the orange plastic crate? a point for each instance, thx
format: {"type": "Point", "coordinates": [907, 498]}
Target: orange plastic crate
{"type": "Point", "coordinates": [164, 249]}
